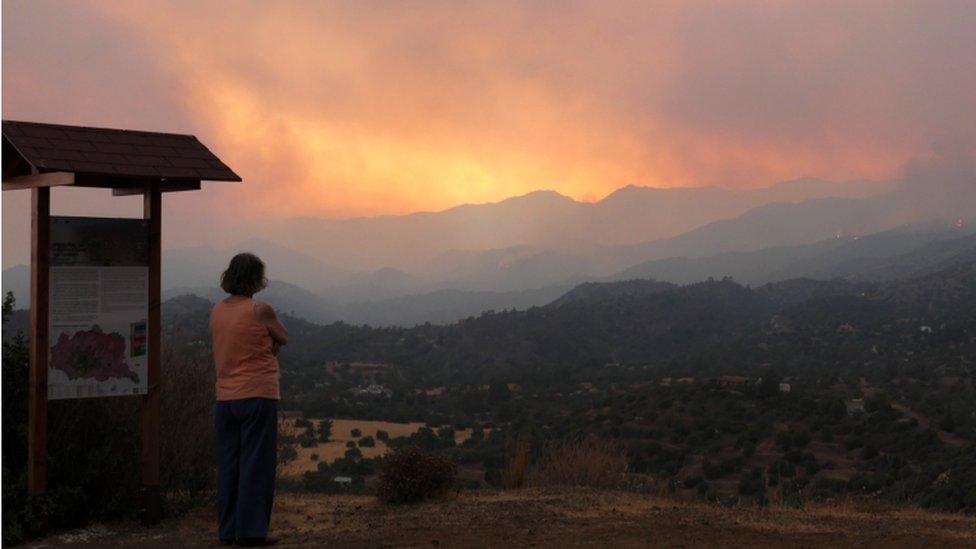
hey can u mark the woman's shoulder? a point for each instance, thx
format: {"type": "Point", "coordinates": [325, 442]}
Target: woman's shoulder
{"type": "Point", "coordinates": [263, 309]}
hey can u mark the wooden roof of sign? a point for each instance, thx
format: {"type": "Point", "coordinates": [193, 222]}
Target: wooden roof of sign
{"type": "Point", "coordinates": [41, 155]}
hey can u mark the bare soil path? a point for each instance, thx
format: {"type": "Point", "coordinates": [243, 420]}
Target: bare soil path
{"type": "Point", "coordinates": [560, 518]}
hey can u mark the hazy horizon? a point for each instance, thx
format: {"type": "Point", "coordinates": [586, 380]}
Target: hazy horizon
{"type": "Point", "coordinates": [66, 201]}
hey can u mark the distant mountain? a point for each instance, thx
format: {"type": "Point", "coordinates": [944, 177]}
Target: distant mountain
{"type": "Point", "coordinates": [444, 306]}
{"type": "Point", "coordinates": [514, 269]}
{"type": "Point", "coordinates": [385, 283]}
{"type": "Point", "coordinates": [286, 298]}
{"type": "Point", "coordinates": [439, 307]}
{"type": "Point", "coordinates": [202, 266]}
{"type": "Point", "coordinates": [915, 201]}
{"type": "Point", "coordinates": [543, 219]}
{"type": "Point", "coordinates": [937, 255]}
{"type": "Point", "coordinates": [864, 258]}
{"type": "Point", "coordinates": [543, 239]}
{"type": "Point", "coordinates": [776, 225]}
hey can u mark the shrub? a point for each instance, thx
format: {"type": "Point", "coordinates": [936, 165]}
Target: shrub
{"type": "Point", "coordinates": [356, 433]}
{"type": "Point", "coordinates": [593, 462]}
{"type": "Point", "coordinates": [410, 474]}
{"type": "Point", "coordinates": [287, 453]}
{"type": "Point", "coordinates": [382, 435]}
{"type": "Point", "coordinates": [93, 469]}
{"type": "Point", "coordinates": [367, 442]}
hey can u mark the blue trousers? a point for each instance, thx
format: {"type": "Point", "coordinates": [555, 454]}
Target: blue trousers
{"type": "Point", "coordinates": [247, 455]}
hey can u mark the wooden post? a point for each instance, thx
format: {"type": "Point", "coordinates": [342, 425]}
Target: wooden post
{"type": "Point", "coordinates": [152, 210]}
{"type": "Point", "coordinates": [37, 399]}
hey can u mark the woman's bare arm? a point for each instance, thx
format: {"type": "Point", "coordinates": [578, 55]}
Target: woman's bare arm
{"type": "Point", "coordinates": [266, 314]}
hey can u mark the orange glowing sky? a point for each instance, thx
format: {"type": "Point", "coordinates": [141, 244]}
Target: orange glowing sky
{"type": "Point", "coordinates": [361, 108]}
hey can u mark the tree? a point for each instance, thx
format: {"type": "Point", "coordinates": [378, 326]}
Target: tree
{"type": "Point", "coordinates": [446, 434]}
{"type": "Point", "coordinates": [325, 430]}
{"type": "Point", "coordinates": [8, 305]}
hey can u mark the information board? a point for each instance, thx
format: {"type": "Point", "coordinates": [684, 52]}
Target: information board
{"type": "Point", "coordinates": [99, 304]}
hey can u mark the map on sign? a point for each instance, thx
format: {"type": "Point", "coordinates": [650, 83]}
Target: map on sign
{"type": "Point", "coordinates": [92, 354]}
{"type": "Point", "coordinates": [99, 282]}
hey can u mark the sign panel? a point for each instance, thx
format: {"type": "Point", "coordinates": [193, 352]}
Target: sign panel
{"type": "Point", "coordinates": [99, 303]}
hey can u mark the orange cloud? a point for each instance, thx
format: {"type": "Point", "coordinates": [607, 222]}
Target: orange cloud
{"type": "Point", "coordinates": [344, 109]}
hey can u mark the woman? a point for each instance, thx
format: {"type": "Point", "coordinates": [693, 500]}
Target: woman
{"type": "Point", "coordinates": [246, 337]}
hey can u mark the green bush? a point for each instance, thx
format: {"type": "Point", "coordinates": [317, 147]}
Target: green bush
{"type": "Point", "coordinates": [410, 474]}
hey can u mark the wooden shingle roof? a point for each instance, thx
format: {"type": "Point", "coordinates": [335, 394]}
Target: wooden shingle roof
{"type": "Point", "coordinates": [110, 154]}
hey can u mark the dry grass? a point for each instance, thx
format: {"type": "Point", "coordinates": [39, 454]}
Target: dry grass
{"type": "Point", "coordinates": [342, 434]}
{"type": "Point", "coordinates": [592, 462]}
{"type": "Point", "coordinates": [518, 466]}
{"type": "Point", "coordinates": [187, 438]}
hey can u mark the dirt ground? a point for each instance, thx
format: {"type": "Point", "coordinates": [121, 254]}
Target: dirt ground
{"type": "Point", "coordinates": [554, 518]}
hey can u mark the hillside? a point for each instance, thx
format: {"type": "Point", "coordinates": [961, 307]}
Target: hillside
{"type": "Point", "coordinates": [880, 256]}
{"type": "Point", "coordinates": [876, 396]}
{"type": "Point", "coordinates": [555, 518]}
{"type": "Point", "coordinates": [593, 292]}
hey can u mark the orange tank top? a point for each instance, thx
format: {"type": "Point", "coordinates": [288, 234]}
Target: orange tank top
{"type": "Point", "coordinates": [246, 366]}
